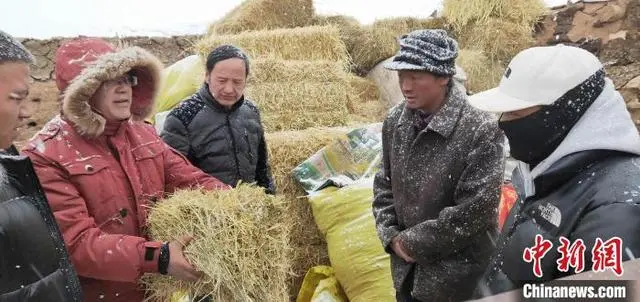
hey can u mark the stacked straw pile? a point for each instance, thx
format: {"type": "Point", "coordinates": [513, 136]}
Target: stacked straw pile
{"type": "Point", "coordinates": [300, 79]}
{"type": "Point", "coordinates": [263, 15]}
{"type": "Point", "coordinates": [241, 243]}
{"type": "Point", "coordinates": [482, 72]}
{"type": "Point", "coordinates": [287, 149]}
{"type": "Point", "coordinates": [364, 102]}
{"type": "Point", "coordinates": [492, 32]}
{"type": "Point", "coordinates": [302, 43]}
{"type": "Point", "coordinates": [371, 44]}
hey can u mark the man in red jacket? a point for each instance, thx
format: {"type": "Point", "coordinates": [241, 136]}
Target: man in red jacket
{"type": "Point", "coordinates": [101, 168]}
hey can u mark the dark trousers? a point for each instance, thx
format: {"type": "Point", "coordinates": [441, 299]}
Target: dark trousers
{"type": "Point", "coordinates": [404, 295]}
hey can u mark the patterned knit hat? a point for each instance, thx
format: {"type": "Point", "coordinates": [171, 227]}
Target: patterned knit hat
{"type": "Point", "coordinates": [430, 50]}
{"type": "Point", "coordinates": [12, 50]}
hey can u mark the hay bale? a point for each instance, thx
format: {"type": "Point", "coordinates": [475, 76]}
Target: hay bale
{"type": "Point", "coordinates": [460, 13]}
{"type": "Point", "coordinates": [363, 88]}
{"type": "Point", "coordinates": [338, 20]}
{"type": "Point", "coordinates": [368, 111]}
{"type": "Point", "coordinates": [350, 30]}
{"type": "Point", "coordinates": [498, 39]}
{"type": "Point", "coordinates": [287, 149]}
{"type": "Point", "coordinates": [302, 43]}
{"type": "Point", "coordinates": [263, 15]}
{"type": "Point", "coordinates": [365, 105]}
{"type": "Point", "coordinates": [482, 73]}
{"type": "Point", "coordinates": [379, 41]}
{"type": "Point", "coordinates": [404, 25]}
{"type": "Point", "coordinates": [300, 105]}
{"type": "Point", "coordinates": [241, 243]}
{"type": "Point", "coordinates": [265, 70]}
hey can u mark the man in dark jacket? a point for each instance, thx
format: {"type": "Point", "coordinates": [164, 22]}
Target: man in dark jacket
{"type": "Point", "coordinates": [218, 129]}
{"type": "Point", "coordinates": [579, 170]}
{"type": "Point", "coordinates": [437, 193]}
{"type": "Point", "coordinates": [34, 265]}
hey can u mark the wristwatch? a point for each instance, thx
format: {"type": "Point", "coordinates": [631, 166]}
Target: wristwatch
{"type": "Point", "coordinates": [163, 259]}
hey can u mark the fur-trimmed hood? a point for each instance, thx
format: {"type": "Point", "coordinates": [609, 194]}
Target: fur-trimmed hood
{"type": "Point", "coordinates": [110, 66]}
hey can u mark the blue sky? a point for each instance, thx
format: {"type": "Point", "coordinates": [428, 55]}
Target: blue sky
{"type": "Point", "coordinates": [67, 18]}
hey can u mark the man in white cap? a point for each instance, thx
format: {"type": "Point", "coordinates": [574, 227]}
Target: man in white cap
{"type": "Point", "coordinates": [578, 175]}
{"type": "Point", "coordinates": [437, 193]}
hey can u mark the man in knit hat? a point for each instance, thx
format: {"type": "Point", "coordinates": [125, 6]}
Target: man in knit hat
{"type": "Point", "coordinates": [436, 196]}
{"type": "Point", "coordinates": [34, 264]}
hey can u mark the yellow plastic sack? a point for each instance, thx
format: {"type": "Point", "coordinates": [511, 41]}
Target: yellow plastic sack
{"type": "Point", "coordinates": [320, 285]}
{"type": "Point", "coordinates": [345, 218]}
{"type": "Point", "coordinates": [179, 81]}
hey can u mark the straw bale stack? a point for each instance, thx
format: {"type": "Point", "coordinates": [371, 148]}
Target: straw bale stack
{"type": "Point", "coordinates": [499, 39]}
{"type": "Point", "coordinates": [300, 105]}
{"type": "Point", "coordinates": [460, 13]}
{"type": "Point", "coordinates": [482, 73]}
{"type": "Point", "coordinates": [269, 70]}
{"type": "Point", "coordinates": [287, 149]}
{"type": "Point", "coordinates": [253, 15]}
{"type": "Point", "coordinates": [365, 105]}
{"type": "Point", "coordinates": [302, 43]}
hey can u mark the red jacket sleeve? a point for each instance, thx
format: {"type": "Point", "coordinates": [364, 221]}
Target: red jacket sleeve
{"type": "Point", "coordinates": [94, 254]}
{"type": "Point", "coordinates": [181, 174]}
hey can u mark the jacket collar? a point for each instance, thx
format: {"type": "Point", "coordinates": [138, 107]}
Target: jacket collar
{"type": "Point", "coordinates": [206, 96]}
{"type": "Point", "coordinates": [445, 119]}
{"type": "Point", "coordinates": [564, 170]}
{"type": "Point", "coordinates": [15, 169]}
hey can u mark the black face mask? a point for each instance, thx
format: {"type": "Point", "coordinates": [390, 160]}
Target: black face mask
{"type": "Point", "coordinates": [534, 137]}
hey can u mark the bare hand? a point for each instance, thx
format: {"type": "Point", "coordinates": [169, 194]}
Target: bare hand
{"type": "Point", "coordinates": [179, 267]}
{"type": "Point", "coordinates": [398, 247]}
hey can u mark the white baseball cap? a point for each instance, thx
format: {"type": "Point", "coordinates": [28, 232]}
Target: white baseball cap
{"type": "Point", "coordinates": [538, 76]}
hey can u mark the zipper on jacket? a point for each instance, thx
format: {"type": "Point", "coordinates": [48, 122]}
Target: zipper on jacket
{"type": "Point", "coordinates": [235, 150]}
{"type": "Point", "coordinates": [246, 138]}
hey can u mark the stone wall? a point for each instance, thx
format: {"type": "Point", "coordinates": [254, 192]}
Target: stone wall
{"type": "Point", "coordinates": [610, 30]}
{"type": "Point", "coordinates": [169, 50]}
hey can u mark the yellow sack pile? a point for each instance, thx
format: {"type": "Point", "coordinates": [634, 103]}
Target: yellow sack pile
{"type": "Point", "coordinates": [321, 285]}
{"type": "Point", "coordinates": [345, 218]}
{"type": "Point", "coordinates": [179, 81]}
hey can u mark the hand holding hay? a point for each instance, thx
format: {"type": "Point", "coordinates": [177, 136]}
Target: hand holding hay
{"type": "Point", "coordinates": [179, 267]}
{"type": "Point", "coordinates": [241, 244]}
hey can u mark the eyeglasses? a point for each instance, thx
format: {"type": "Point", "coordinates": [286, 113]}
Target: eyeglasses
{"type": "Point", "coordinates": [127, 79]}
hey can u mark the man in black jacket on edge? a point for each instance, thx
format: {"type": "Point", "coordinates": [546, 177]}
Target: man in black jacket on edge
{"type": "Point", "coordinates": [218, 129]}
{"type": "Point", "coordinates": [578, 179]}
{"type": "Point", "coordinates": [34, 265]}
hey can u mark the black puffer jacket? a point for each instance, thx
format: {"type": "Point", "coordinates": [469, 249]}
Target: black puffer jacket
{"type": "Point", "coordinates": [588, 188]}
{"type": "Point", "coordinates": [34, 265]}
{"type": "Point", "coordinates": [225, 143]}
